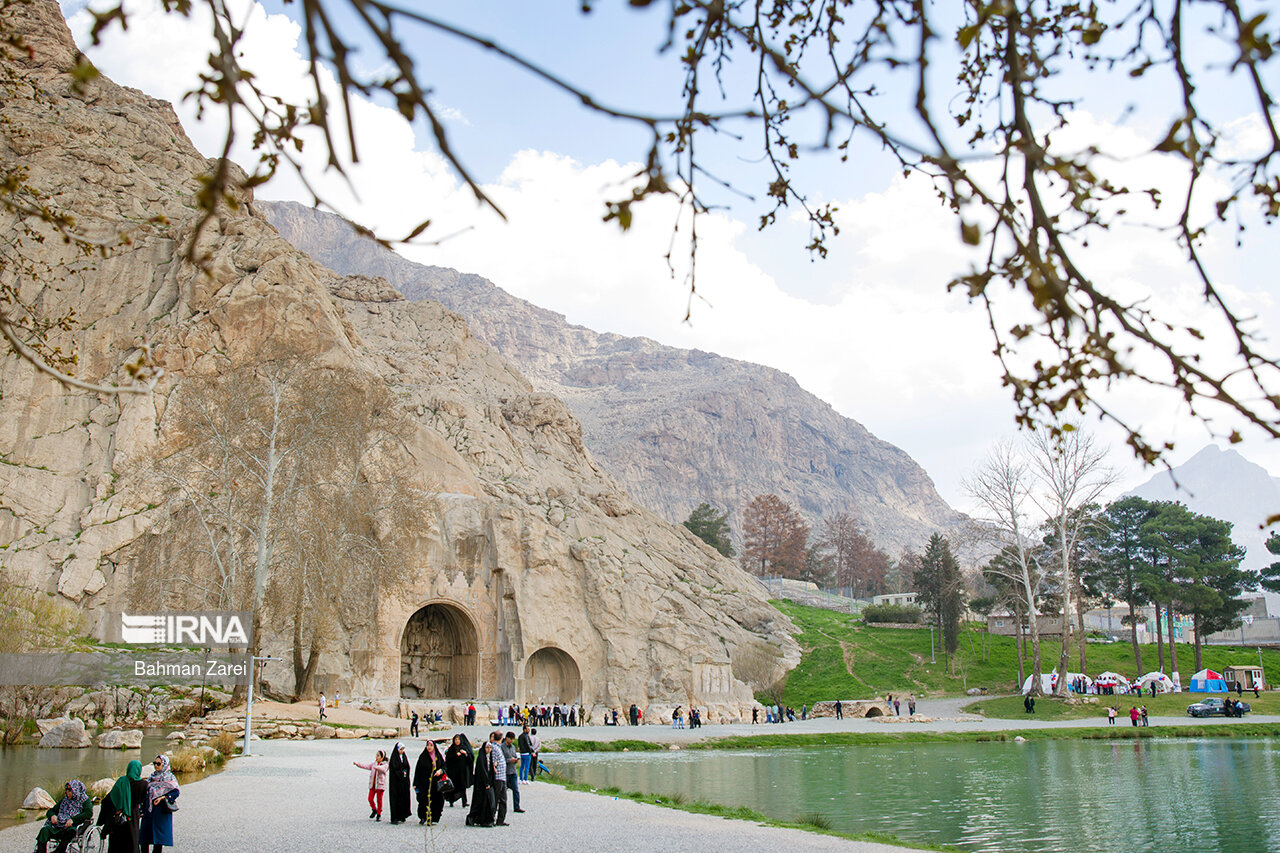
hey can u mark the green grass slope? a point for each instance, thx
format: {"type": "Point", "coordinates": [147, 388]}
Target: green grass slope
{"type": "Point", "coordinates": [845, 659]}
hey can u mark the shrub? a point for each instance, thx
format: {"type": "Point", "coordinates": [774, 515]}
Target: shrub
{"type": "Point", "coordinates": [891, 613]}
{"type": "Point", "coordinates": [224, 742]}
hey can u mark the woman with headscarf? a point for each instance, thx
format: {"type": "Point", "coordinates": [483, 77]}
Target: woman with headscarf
{"type": "Point", "coordinates": [426, 774]}
{"type": "Point", "coordinates": [483, 800]}
{"type": "Point", "coordinates": [122, 810]}
{"type": "Point", "coordinates": [156, 830]}
{"type": "Point", "coordinates": [64, 820]}
{"type": "Point", "coordinates": [458, 759]}
{"type": "Point", "coordinates": [398, 785]}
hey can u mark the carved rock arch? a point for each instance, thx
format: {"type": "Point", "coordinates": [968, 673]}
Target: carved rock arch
{"type": "Point", "coordinates": [440, 653]}
{"type": "Point", "coordinates": [552, 675]}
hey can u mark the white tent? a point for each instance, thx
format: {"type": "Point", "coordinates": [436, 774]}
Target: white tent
{"type": "Point", "coordinates": [1046, 683]}
{"type": "Point", "coordinates": [1162, 682]}
{"type": "Point", "coordinates": [1111, 679]}
{"type": "Point", "coordinates": [1072, 676]}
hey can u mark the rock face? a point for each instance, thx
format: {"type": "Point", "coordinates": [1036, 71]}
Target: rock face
{"type": "Point", "coordinates": [676, 427]}
{"type": "Point", "coordinates": [538, 578]}
{"type": "Point", "coordinates": [68, 735]}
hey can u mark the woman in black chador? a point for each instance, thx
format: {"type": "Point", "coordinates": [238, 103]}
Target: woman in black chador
{"type": "Point", "coordinates": [458, 759]}
{"type": "Point", "coordinates": [398, 785]}
{"type": "Point", "coordinates": [483, 802]}
{"type": "Point", "coordinates": [430, 769]}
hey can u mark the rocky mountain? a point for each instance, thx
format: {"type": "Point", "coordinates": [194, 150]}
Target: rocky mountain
{"type": "Point", "coordinates": [675, 427]}
{"type": "Point", "coordinates": [1222, 484]}
{"type": "Point", "coordinates": [537, 576]}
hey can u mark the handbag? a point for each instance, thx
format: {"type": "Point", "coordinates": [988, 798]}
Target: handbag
{"type": "Point", "coordinates": [166, 805]}
{"type": "Point", "coordinates": [444, 785]}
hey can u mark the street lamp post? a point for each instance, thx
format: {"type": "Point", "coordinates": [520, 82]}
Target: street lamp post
{"type": "Point", "coordinates": [248, 705]}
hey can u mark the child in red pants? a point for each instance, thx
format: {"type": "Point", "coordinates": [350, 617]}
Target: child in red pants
{"type": "Point", "coordinates": [377, 782]}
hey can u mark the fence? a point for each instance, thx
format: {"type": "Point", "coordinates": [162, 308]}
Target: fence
{"type": "Point", "coordinates": [809, 594]}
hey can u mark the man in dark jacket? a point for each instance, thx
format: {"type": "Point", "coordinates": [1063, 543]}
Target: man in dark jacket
{"type": "Point", "coordinates": [526, 753]}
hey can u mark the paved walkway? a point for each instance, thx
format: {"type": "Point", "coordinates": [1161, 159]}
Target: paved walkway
{"type": "Point", "coordinates": [305, 796]}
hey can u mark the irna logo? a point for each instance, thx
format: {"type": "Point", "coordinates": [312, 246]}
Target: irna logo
{"type": "Point", "coordinates": [177, 629]}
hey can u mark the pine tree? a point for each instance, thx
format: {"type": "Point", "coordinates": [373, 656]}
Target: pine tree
{"type": "Point", "coordinates": [711, 527]}
{"type": "Point", "coordinates": [941, 589]}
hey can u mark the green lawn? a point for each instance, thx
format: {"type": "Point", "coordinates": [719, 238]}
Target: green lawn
{"type": "Point", "coordinates": [1165, 705]}
{"type": "Point", "coordinates": [844, 659]}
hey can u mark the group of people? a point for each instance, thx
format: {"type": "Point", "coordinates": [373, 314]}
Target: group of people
{"type": "Point", "coordinates": [677, 718]}
{"type": "Point", "coordinates": [499, 765]}
{"type": "Point", "coordinates": [542, 715]}
{"type": "Point", "coordinates": [136, 816]}
{"type": "Point", "coordinates": [1135, 714]}
{"type": "Point", "coordinates": [778, 713]}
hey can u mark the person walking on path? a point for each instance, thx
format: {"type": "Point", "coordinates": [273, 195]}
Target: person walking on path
{"type": "Point", "coordinates": [839, 710]}
{"type": "Point", "coordinates": [121, 811]}
{"type": "Point", "coordinates": [535, 748]}
{"type": "Point", "coordinates": [1111, 716]}
{"type": "Point", "coordinates": [458, 761]}
{"type": "Point", "coordinates": [377, 782]}
{"type": "Point", "coordinates": [513, 770]}
{"type": "Point", "coordinates": [1133, 716]}
{"type": "Point", "coordinates": [321, 703]}
{"type": "Point", "coordinates": [897, 707]}
{"type": "Point", "coordinates": [426, 775]}
{"type": "Point", "coordinates": [526, 753]}
{"type": "Point", "coordinates": [413, 724]}
{"type": "Point", "coordinates": [156, 829]}
{"type": "Point", "coordinates": [398, 785]}
{"type": "Point", "coordinates": [911, 706]}
{"type": "Point", "coordinates": [1144, 716]}
{"type": "Point", "coordinates": [63, 821]}
{"type": "Point", "coordinates": [498, 762]}
{"type": "Point", "coordinates": [483, 803]}
{"type": "Point", "coordinates": [337, 698]}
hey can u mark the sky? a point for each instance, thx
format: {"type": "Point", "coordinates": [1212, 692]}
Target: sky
{"type": "Point", "coordinates": [870, 329]}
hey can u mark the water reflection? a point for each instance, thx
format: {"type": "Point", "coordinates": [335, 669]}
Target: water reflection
{"type": "Point", "coordinates": [1204, 795]}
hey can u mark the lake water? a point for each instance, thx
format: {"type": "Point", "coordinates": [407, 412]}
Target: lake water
{"type": "Point", "coordinates": [1203, 795]}
{"type": "Point", "coordinates": [25, 767]}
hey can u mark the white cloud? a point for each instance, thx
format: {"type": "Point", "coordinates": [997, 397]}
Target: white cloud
{"type": "Point", "coordinates": [889, 347]}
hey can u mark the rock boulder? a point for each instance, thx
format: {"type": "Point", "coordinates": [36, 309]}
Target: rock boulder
{"type": "Point", "coordinates": [38, 799]}
{"type": "Point", "coordinates": [68, 735]}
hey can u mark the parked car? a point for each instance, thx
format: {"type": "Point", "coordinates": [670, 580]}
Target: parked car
{"type": "Point", "coordinates": [1215, 706]}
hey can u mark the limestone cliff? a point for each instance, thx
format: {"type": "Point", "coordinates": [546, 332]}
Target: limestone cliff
{"type": "Point", "coordinates": [676, 427]}
{"type": "Point", "coordinates": [543, 573]}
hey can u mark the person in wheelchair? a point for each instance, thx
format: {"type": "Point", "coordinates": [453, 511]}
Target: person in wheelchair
{"type": "Point", "coordinates": [64, 820]}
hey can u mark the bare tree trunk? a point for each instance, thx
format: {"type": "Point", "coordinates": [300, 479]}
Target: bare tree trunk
{"type": "Point", "coordinates": [1173, 649]}
{"type": "Point", "coordinates": [1060, 689]}
{"type": "Point", "coordinates": [1022, 664]}
{"type": "Point", "coordinates": [1137, 649]}
{"type": "Point", "coordinates": [1196, 626]}
{"type": "Point", "coordinates": [1083, 640]}
{"type": "Point", "coordinates": [1159, 636]}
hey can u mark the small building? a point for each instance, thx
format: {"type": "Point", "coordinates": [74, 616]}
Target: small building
{"type": "Point", "coordinates": [1246, 676]}
{"type": "Point", "coordinates": [1006, 624]}
{"type": "Point", "coordinates": [1256, 627]}
{"type": "Point", "coordinates": [901, 599]}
